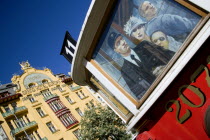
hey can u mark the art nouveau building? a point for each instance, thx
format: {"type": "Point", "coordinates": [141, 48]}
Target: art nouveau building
{"type": "Point", "coordinates": [39, 105]}
{"type": "Point", "coordinates": [169, 97]}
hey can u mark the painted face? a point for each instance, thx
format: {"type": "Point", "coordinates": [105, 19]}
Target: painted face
{"type": "Point", "coordinates": [121, 46]}
{"type": "Point", "coordinates": [159, 38]}
{"type": "Point", "coordinates": [148, 9]}
{"type": "Point", "coordinates": [138, 33]}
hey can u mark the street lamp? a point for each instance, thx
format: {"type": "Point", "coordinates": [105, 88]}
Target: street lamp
{"type": "Point", "coordinates": [14, 107]}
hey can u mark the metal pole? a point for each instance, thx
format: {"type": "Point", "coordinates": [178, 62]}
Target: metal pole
{"type": "Point", "coordinates": [13, 105]}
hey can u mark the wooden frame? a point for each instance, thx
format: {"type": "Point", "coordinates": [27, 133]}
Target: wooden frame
{"type": "Point", "coordinates": [185, 43]}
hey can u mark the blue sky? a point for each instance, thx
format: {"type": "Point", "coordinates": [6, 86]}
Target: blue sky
{"type": "Point", "coordinates": [34, 30]}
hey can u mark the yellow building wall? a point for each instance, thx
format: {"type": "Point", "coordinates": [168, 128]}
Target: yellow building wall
{"type": "Point", "coordinates": [32, 114]}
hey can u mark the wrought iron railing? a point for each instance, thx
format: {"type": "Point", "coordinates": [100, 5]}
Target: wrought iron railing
{"type": "Point", "coordinates": [50, 96]}
{"type": "Point", "coordinates": [25, 127]}
{"type": "Point", "coordinates": [11, 112]}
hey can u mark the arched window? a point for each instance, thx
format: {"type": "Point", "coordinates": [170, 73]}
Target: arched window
{"type": "Point", "coordinates": [44, 81]}
{"type": "Point", "coordinates": [31, 85]}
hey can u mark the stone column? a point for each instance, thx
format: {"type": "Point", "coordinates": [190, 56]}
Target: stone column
{"type": "Point", "coordinates": [13, 123]}
{"type": "Point", "coordinates": [25, 120]}
{"type": "Point", "coordinates": [35, 135]}
{"type": "Point", "coordinates": [10, 107]}
{"type": "Point", "coordinates": [2, 108]}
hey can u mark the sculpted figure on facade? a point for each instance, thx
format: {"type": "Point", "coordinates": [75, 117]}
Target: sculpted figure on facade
{"type": "Point", "coordinates": [25, 65]}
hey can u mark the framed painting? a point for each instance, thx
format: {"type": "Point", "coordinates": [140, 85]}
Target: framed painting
{"type": "Point", "coordinates": [142, 39]}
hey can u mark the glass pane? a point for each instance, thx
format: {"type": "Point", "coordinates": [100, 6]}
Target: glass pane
{"type": "Point", "coordinates": [110, 98]}
{"type": "Point", "coordinates": [140, 39]}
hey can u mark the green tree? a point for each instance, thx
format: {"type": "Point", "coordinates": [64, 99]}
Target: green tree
{"type": "Point", "coordinates": [101, 123]}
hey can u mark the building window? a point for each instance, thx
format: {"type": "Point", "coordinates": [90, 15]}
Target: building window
{"type": "Point", "coordinates": [77, 134]}
{"type": "Point", "coordinates": [100, 99]}
{"type": "Point", "coordinates": [83, 94]}
{"type": "Point", "coordinates": [69, 100]}
{"type": "Point", "coordinates": [38, 135]}
{"type": "Point", "coordinates": [31, 85]}
{"type": "Point", "coordinates": [32, 137]}
{"type": "Point", "coordinates": [79, 111]}
{"type": "Point", "coordinates": [79, 95]}
{"type": "Point", "coordinates": [31, 98]}
{"type": "Point", "coordinates": [56, 105]}
{"type": "Point", "coordinates": [51, 127]}
{"type": "Point", "coordinates": [20, 122]}
{"type": "Point", "coordinates": [44, 81]}
{"type": "Point", "coordinates": [46, 93]}
{"type": "Point", "coordinates": [27, 118]}
{"type": "Point", "coordinates": [92, 104]}
{"type": "Point", "coordinates": [14, 105]}
{"type": "Point", "coordinates": [3, 135]}
{"type": "Point", "coordinates": [59, 88]}
{"type": "Point", "coordinates": [7, 109]}
{"type": "Point", "coordinates": [67, 119]}
{"type": "Point", "coordinates": [41, 113]}
{"type": "Point", "coordinates": [88, 106]}
{"type": "Point", "coordinates": [10, 125]}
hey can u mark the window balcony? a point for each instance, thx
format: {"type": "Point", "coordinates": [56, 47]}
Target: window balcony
{"type": "Point", "coordinates": [17, 110]}
{"type": "Point", "coordinates": [75, 88]}
{"type": "Point", "coordinates": [50, 96]}
{"type": "Point", "coordinates": [26, 127]}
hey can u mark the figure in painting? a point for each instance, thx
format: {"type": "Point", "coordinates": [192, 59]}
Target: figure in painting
{"type": "Point", "coordinates": [147, 10]}
{"type": "Point", "coordinates": [135, 28]}
{"type": "Point", "coordinates": [161, 39]}
{"type": "Point", "coordinates": [154, 30]}
{"type": "Point", "coordinates": [139, 63]}
{"type": "Point", "coordinates": [172, 25]}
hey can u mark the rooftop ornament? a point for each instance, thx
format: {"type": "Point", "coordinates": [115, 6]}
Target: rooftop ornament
{"type": "Point", "coordinates": [25, 65]}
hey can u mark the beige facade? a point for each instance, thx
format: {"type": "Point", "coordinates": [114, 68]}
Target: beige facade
{"type": "Point", "coordinates": [47, 106]}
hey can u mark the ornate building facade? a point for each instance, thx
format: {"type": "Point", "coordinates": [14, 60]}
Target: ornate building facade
{"type": "Point", "coordinates": [39, 105]}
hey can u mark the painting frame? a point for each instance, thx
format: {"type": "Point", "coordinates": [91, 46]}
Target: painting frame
{"type": "Point", "coordinates": [188, 39]}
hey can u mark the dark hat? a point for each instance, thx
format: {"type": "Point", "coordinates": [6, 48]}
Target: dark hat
{"type": "Point", "coordinates": [111, 39]}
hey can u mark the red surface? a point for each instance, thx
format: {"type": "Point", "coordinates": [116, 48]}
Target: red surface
{"type": "Point", "coordinates": [163, 125]}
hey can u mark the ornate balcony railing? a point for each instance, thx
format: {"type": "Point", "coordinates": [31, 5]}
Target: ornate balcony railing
{"type": "Point", "coordinates": [10, 97]}
{"type": "Point", "coordinates": [14, 111]}
{"type": "Point", "coordinates": [66, 79]}
{"type": "Point", "coordinates": [75, 88]}
{"type": "Point", "coordinates": [25, 127]}
{"type": "Point", "coordinates": [74, 124]}
{"type": "Point", "coordinates": [50, 96]}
